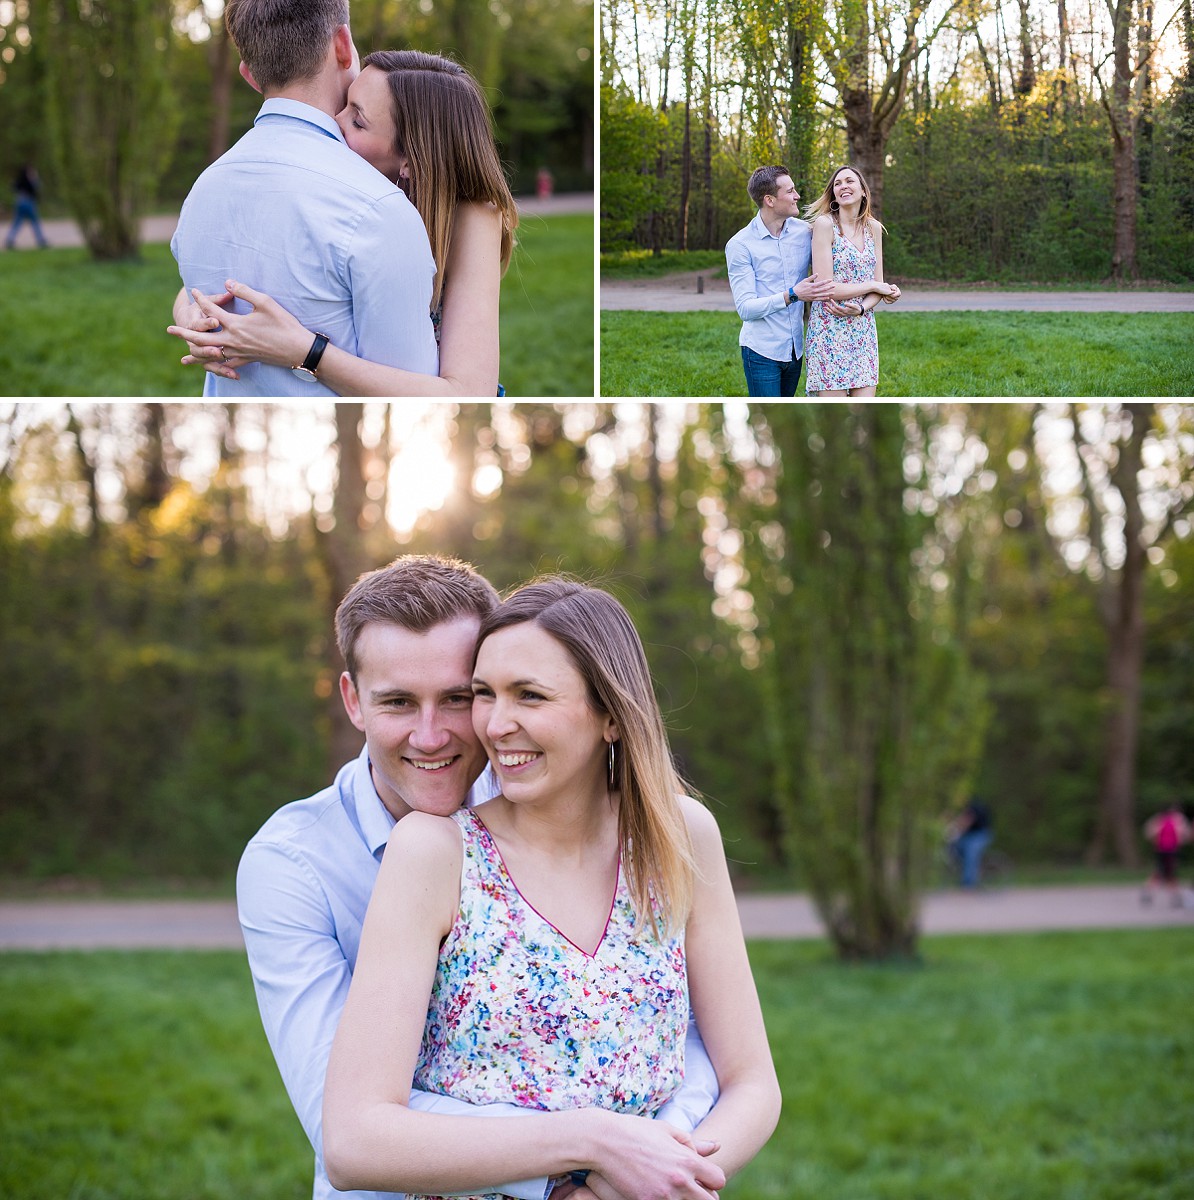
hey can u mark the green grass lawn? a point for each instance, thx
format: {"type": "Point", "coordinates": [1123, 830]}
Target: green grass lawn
{"type": "Point", "coordinates": [74, 327]}
{"type": "Point", "coordinates": [923, 354]}
{"type": "Point", "coordinates": [642, 264]}
{"type": "Point", "coordinates": [1028, 1067]}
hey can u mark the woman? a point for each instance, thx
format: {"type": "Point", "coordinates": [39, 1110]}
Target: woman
{"type": "Point", "coordinates": [842, 345]}
{"type": "Point", "coordinates": [493, 964]}
{"type": "Point", "coordinates": [422, 121]}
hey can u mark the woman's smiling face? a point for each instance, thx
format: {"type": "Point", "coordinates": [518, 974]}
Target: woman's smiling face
{"type": "Point", "coordinates": [367, 122]}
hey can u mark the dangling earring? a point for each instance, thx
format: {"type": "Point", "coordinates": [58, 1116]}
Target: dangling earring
{"type": "Point", "coordinates": [833, 206]}
{"type": "Point", "coordinates": [610, 770]}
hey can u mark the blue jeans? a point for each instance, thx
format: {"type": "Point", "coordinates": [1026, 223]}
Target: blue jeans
{"type": "Point", "coordinates": [970, 848]}
{"type": "Point", "coordinates": [769, 377]}
{"type": "Point", "coordinates": [26, 211]}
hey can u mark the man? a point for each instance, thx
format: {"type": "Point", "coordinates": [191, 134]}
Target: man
{"type": "Point", "coordinates": [970, 835]}
{"type": "Point", "coordinates": [292, 211]}
{"type": "Point", "coordinates": [769, 264]}
{"type": "Point", "coordinates": [407, 633]}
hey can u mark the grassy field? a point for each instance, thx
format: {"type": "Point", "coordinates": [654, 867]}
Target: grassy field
{"type": "Point", "coordinates": [74, 327]}
{"type": "Point", "coordinates": [923, 354]}
{"type": "Point", "coordinates": [1035, 1067]}
{"type": "Point", "coordinates": [641, 264]}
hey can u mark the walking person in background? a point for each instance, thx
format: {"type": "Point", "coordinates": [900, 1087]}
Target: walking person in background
{"type": "Point", "coordinates": [26, 189]}
{"type": "Point", "coordinates": [843, 343]}
{"type": "Point", "coordinates": [768, 264]}
{"type": "Point", "coordinates": [1168, 832]}
{"type": "Point", "coordinates": [969, 836]}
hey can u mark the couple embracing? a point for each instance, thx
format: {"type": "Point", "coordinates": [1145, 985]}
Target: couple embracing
{"type": "Point", "coordinates": [549, 994]}
{"type": "Point", "coordinates": [353, 241]}
{"type": "Point", "coordinates": [833, 260]}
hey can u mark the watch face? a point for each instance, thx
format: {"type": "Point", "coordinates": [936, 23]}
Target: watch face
{"type": "Point", "coordinates": [304, 374]}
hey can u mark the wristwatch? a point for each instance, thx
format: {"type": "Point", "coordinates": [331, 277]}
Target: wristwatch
{"type": "Point", "coordinates": [306, 369]}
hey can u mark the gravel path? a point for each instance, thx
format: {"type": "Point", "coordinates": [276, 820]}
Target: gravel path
{"type": "Point", "coordinates": [698, 291]}
{"type": "Point", "coordinates": [212, 925]}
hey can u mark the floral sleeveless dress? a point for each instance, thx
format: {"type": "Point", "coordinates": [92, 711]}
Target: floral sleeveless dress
{"type": "Point", "coordinates": [843, 352]}
{"type": "Point", "coordinates": [520, 1014]}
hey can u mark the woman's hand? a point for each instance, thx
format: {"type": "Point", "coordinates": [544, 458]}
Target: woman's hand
{"type": "Point", "coordinates": [847, 308]}
{"type": "Point", "coordinates": [268, 334]}
{"type": "Point", "coordinates": [893, 295]}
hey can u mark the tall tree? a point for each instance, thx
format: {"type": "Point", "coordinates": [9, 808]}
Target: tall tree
{"type": "Point", "coordinates": [111, 113]}
{"type": "Point", "coordinates": [872, 712]}
{"type": "Point", "coordinates": [870, 54]}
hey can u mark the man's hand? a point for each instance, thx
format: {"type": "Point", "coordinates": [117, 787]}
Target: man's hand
{"type": "Point", "coordinates": [893, 295]}
{"type": "Point", "coordinates": [813, 288]}
{"type": "Point", "coordinates": [190, 318]}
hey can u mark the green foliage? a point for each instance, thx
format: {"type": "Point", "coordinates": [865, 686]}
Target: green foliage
{"type": "Point", "coordinates": [111, 112]}
{"type": "Point", "coordinates": [1034, 1066]}
{"type": "Point", "coordinates": [161, 692]}
{"type": "Point", "coordinates": [75, 327]}
{"type": "Point", "coordinates": [874, 718]}
{"type": "Point", "coordinates": [924, 354]}
{"type": "Point", "coordinates": [642, 264]}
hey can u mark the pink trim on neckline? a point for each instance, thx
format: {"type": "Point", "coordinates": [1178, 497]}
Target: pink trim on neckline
{"type": "Point", "coordinates": [551, 924]}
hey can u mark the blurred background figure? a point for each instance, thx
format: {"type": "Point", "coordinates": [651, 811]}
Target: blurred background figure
{"type": "Point", "coordinates": [544, 182]}
{"type": "Point", "coordinates": [26, 189]}
{"type": "Point", "coordinates": [1168, 832]}
{"type": "Point", "coordinates": [969, 835]}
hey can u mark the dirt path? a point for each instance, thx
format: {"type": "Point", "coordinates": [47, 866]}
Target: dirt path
{"type": "Point", "coordinates": [161, 228]}
{"type": "Point", "coordinates": [698, 291]}
{"type": "Point", "coordinates": [212, 925]}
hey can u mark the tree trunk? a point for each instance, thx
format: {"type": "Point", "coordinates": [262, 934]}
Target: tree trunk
{"type": "Point", "coordinates": [219, 59]}
{"type": "Point", "coordinates": [1124, 619]}
{"type": "Point", "coordinates": [1123, 133]}
{"type": "Point", "coordinates": [344, 560]}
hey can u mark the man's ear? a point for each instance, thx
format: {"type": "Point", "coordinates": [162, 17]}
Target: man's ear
{"type": "Point", "coordinates": [352, 701]}
{"type": "Point", "coordinates": [247, 76]}
{"type": "Point", "coordinates": [346, 52]}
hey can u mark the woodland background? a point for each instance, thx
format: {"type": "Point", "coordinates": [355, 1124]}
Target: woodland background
{"type": "Point", "coordinates": [1026, 140]}
{"type": "Point", "coordinates": [121, 103]}
{"type": "Point", "coordinates": [858, 616]}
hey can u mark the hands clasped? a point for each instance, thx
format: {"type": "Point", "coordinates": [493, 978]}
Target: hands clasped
{"type": "Point", "coordinates": [221, 341]}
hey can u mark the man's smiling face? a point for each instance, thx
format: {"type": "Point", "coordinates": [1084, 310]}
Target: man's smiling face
{"type": "Point", "coordinates": [413, 699]}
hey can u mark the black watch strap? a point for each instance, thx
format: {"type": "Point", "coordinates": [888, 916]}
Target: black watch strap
{"type": "Point", "coordinates": [318, 346]}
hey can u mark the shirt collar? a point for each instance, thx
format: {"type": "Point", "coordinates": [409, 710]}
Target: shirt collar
{"type": "Point", "coordinates": [761, 230]}
{"type": "Point", "coordinates": [376, 821]}
{"type": "Point", "coordinates": [281, 106]}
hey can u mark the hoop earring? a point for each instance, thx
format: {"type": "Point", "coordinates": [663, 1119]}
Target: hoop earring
{"type": "Point", "coordinates": [833, 206]}
{"type": "Point", "coordinates": [611, 768]}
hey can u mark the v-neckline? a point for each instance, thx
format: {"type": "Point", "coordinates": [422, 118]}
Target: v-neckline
{"type": "Point", "coordinates": [847, 238]}
{"type": "Point", "coordinates": [590, 954]}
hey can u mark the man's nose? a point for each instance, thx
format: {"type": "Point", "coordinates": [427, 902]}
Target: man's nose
{"type": "Point", "coordinates": [430, 732]}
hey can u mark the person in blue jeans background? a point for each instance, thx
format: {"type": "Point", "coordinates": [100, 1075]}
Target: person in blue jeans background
{"type": "Point", "coordinates": [970, 835]}
{"type": "Point", "coordinates": [26, 190]}
{"type": "Point", "coordinates": [769, 263]}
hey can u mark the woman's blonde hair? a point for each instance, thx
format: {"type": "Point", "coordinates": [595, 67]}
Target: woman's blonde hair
{"type": "Point", "coordinates": [442, 125]}
{"type": "Point", "coordinates": [826, 203]}
{"type": "Point", "coordinates": [601, 639]}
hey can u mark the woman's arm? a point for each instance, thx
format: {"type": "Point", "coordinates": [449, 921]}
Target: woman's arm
{"type": "Point", "coordinates": [823, 265]}
{"type": "Point", "coordinates": [727, 1006]}
{"type": "Point", "coordinates": [373, 1141]}
{"type": "Point", "coordinates": [468, 364]}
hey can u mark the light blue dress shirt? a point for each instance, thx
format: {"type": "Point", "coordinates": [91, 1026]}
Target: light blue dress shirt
{"type": "Point", "coordinates": [291, 211]}
{"type": "Point", "coordinates": [302, 889]}
{"type": "Point", "coordinates": [761, 268]}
